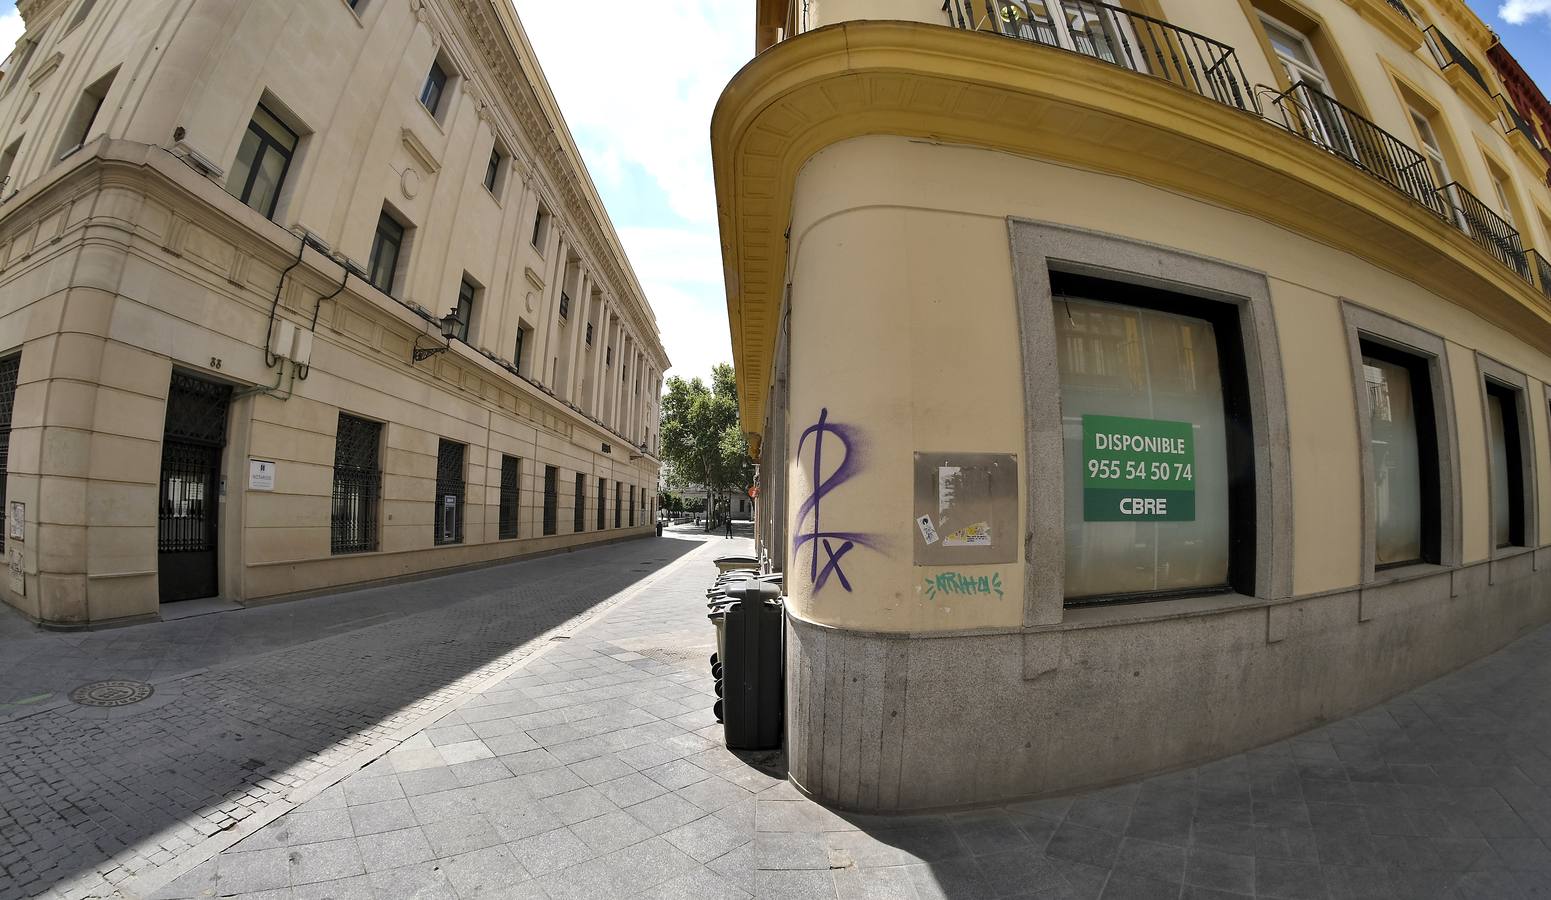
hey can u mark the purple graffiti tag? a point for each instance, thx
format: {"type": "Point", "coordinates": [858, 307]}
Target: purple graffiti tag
{"type": "Point", "coordinates": [850, 464]}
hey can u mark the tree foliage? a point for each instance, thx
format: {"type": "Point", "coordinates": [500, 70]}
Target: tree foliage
{"type": "Point", "coordinates": [701, 440]}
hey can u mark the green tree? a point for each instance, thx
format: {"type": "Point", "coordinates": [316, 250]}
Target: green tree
{"type": "Point", "coordinates": [701, 440]}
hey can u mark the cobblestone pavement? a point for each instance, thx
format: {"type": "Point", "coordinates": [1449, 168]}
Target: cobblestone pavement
{"type": "Point", "coordinates": [90, 798]}
{"type": "Point", "coordinates": [594, 770]}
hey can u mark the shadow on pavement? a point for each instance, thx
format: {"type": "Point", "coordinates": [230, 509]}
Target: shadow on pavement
{"type": "Point", "coordinates": [122, 791]}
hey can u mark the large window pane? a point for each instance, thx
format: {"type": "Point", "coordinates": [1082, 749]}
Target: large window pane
{"type": "Point", "coordinates": [1141, 364]}
{"type": "Point", "coordinates": [1397, 462]}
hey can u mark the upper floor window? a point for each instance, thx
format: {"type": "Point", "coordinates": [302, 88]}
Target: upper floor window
{"type": "Point", "coordinates": [23, 55]}
{"type": "Point", "coordinates": [387, 246]}
{"type": "Point", "coordinates": [1296, 54]}
{"type": "Point", "coordinates": [565, 305]}
{"type": "Point", "coordinates": [589, 334]}
{"type": "Point", "coordinates": [7, 163]}
{"type": "Point", "coordinates": [79, 127]}
{"type": "Point", "coordinates": [524, 335]}
{"type": "Point", "coordinates": [1502, 189]}
{"type": "Point", "coordinates": [608, 357]}
{"type": "Point", "coordinates": [81, 12]}
{"type": "Point", "coordinates": [541, 227]}
{"type": "Point", "coordinates": [1432, 148]}
{"type": "Point", "coordinates": [494, 169]}
{"type": "Point", "coordinates": [464, 312]}
{"type": "Point", "coordinates": [263, 160]}
{"type": "Point", "coordinates": [434, 89]}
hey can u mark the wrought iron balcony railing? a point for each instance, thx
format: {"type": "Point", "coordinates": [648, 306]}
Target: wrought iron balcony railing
{"type": "Point", "coordinates": [1447, 54]}
{"type": "Point", "coordinates": [1515, 121]}
{"type": "Point", "coordinates": [1322, 119]}
{"type": "Point", "coordinates": [1401, 8]}
{"type": "Point", "coordinates": [1542, 272]}
{"type": "Point", "coordinates": [1118, 36]}
{"type": "Point", "coordinates": [1211, 69]}
{"type": "Point", "coordinates": [1486, 228]}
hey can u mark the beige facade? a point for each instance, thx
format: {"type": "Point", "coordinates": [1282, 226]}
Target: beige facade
{"type": "Point", "coordinates": [955, 238]}
{"type": "Point", "coordinates": [193, 379]}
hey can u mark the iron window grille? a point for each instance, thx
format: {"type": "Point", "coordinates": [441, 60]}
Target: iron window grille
{"type": "Point", "coordinates": [435, 85]}
{"type": "Point", "coordinates": [603, 503]}
{"type": "Point", "coordinates": [386, 247]}
{"type": "Point", "coordinates": [579, 513]}
{"type": "Point", "coordinates": [263, 161]}
{"type": "Point", "coordinates": [551, 498]}
{"type": "Point", "coordinates": [619, 493]}
{"type": "Point", "coordinates": [195, 432]}
{"type": "Point", "coordinates": [632, 506]}
{"type": "Point", "coordinates": [357, 486]}
{"type": "Point", "coordinates": [511, 471]}
{"type": "Point", "coordinates": [449, 492]}
{"type": "Point", "coordinates": [9, 368]}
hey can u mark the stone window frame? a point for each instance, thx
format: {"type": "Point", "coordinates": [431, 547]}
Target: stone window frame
{"type": "Point", "coordinates": [1488, 368]}
{"type": "Point", "coordinates": [1361, 322]}
{"type": "Point", "coordinates": [1036, 248]}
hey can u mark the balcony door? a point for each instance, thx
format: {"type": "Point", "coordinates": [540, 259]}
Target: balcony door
{"type": "Point", "coordinates": [1082, 26]}
{"type": "Point", "coordinates": [1319, 116]}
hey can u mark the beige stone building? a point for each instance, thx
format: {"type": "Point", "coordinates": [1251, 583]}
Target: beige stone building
{"type": "Point", "coordinates": [296, 295]}
{"type": "Point", "coordinates": [1133, 384]}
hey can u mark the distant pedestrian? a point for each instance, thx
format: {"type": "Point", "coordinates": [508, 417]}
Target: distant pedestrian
{"type": "Point", "coordinates": [729, 526]}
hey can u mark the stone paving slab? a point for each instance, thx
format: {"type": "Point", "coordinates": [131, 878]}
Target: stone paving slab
{"type": "Point", "coordinates": [90, 801]}
{"type": "Point", "coordinates": [595, 770]}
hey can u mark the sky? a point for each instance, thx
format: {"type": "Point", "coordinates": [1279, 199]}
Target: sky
{"type": "Point", "coordinates": [638, 91]}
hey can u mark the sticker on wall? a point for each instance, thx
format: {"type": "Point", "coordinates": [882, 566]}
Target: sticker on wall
{"type": "Point", "coordinates": [928, 532]}
{"type": "Point", "coordinates": [1138, 470]}
{"type": "Point", "coordinates": [976, 535]}
{"type": "Point", "coordinates": [16, 527]}
{"type": "Point", "coordinates": [13, 563]}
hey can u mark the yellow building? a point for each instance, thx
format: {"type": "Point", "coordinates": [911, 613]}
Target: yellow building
{"type": "Point", "coordinates": [1132, 385]}
{"type": "Point", "coordinates": [302, 294]}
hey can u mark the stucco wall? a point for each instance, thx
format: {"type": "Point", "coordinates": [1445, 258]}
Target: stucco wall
{"type": "Point", "coordinates": [905, 329]}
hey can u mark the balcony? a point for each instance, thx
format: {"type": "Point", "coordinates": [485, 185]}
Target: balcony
{"type": "Point", "coordinates": [1323, 120]}
{"type": "Point", "coordinates": [1119, 37]}
{"type": "Point", "coordinates": [1392, 17]}
{"type": "Point", "coordinates": [1460, 69]}
{"type": "Point", "coordinates": [1486, 228]}
{"type": "Point", "coordinates": [1542, 272]}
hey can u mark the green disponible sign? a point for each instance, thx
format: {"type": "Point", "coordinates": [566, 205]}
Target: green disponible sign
{"type": "Point", "coordinates": [1137, 470]}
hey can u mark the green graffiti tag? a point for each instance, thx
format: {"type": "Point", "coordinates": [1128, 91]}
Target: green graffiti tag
{"type": "Point", "coordinates": [960, 585]}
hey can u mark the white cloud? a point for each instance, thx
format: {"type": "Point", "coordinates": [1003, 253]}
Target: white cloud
{"type": "Point", "coordinates": [11, 29]}
{"type": "Point", "coordinates": [1517, 12]}
{"type": "Point", "coordinates": [637, 88]}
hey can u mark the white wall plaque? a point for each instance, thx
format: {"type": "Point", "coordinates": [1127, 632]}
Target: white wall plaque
{"type": "Point", "coordinates": [261, 475]}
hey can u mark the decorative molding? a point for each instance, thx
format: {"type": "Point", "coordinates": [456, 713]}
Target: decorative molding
{"type": "Point", "coordinates": [43, 71]}
{"type": "Point", "coordinates": [420, 151]}
{"type": "Point", "coordinates": [533, 277]}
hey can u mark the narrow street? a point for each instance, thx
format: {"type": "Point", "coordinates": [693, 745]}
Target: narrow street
{"type": "Point", "coordinates": [549, 736]}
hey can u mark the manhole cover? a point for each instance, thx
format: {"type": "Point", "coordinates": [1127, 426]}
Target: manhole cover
{"type": "Point", "coordinates": [111, 693]}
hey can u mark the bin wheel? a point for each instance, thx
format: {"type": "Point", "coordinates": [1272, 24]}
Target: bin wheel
{"type": "Point", "coordinates": [713, 659]}
{"type": "Point", "coordinates": [718, 687]}
{"type": "Point", "coordinates": [716, 672]}
{"type": "Point", "coordinates": [716, 709]}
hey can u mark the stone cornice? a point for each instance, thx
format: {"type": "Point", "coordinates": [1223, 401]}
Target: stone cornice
{"type": "Point", "coordinates": [937, 83]}
{"type": "Point", "coordinates": [491, 35]}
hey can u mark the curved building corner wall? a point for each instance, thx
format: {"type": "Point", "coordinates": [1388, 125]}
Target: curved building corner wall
{"type": "Point", "coordinates": [929, 321]}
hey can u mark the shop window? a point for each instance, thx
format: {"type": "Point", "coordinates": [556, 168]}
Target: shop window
{"type": "Point", "coordinates": [1403, 455]}
{"type": "Point", "coordinates": [603, 503]}
{"type": "Point", "coordinates": [387, 248]}
{"type": "Point", "coordinates": [551, 498]}
{"type": "Point", "coordinates": [79, 126]}
{"type": "Point", "coordinates": [1158, 443]}
{"type": "Point", "coordinates": [1505, 438]}
{"type": "Point", "coordinates": [449, 492]}
{"type": "Point", "coordinates": [579, 505]}
{"type": "Point", "coordinates": [511, 470]}
{"type": "Point", "coordinates": [263, 160]}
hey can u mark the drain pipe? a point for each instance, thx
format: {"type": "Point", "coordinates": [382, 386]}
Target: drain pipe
{"type": "Point", "coordinates": [269, 358]}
